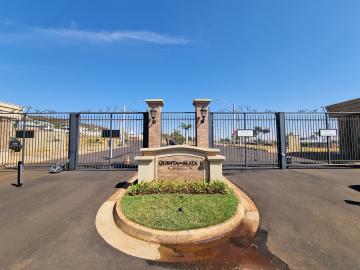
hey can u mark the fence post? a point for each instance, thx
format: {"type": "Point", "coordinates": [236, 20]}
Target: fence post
{"type": "Point", "coordinates": [73, 140]}
{"type": "Point", "coordinates": [328, 139]}
{"type": "Point", "coordinates": [245, 143]}
{"type": "Point", "coordinates": [23, 140]}
{"type": "Point", "coordinates": [211, 130]}
{"type": "Point", "coordinates": [281, 140]}
{"type": "Point", "coordinates": [145, 130]}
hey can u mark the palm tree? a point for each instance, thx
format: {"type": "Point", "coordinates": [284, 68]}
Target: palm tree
{"type": "Point", "coordinates": [186, 127]}
{"type": "Point", "coordinates": [266, 131]}
{"type": "Point", "coordinates": [257, 131]}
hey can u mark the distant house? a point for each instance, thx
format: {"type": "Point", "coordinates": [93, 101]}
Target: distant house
{"type": "Point", "coordinates": [352, 105]}
{"type": "Point", "coordinates": [7, 114]}
{"type": "Point", "coordinates": [7, 108]}
{"type": "Point", "coordinates": [349, 126]}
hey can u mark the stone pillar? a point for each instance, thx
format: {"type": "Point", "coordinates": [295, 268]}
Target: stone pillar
{"type": "Point", "coordinates": [202, 123]}
{"type": "Point", "coordinates": [155, 107]}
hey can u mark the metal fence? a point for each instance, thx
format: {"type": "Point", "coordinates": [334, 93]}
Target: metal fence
{"type": "Point", "coordinates": [178, 128]}
{"type": "Point", "coordinates": [245, 139]}
{"type": "Point", "coordinates": [86, 141]}
{"type": "Point", "coordinates": [322, 138]}
{"type": "Point", "coordinates": [112, 140]}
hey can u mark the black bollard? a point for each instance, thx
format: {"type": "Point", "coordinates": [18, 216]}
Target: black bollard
{"type": "Point", "coordinates": [20, 175]}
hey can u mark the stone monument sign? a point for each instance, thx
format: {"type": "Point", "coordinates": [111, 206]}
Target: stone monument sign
{"type": "Point", "coordinates": [180, 163]}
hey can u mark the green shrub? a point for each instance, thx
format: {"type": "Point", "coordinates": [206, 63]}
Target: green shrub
{"type": "Point", "coordinates": [167, 187]}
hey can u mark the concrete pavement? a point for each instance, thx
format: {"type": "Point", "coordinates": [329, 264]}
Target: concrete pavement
{"type": "Point", "coordinates": [308, 223]}
{"type": "Point", "coordinates": [305, 222]}
{"type": "Point", "coordinates": [49, 223]}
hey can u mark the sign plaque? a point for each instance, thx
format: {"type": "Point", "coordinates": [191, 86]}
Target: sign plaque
{"type": "Point", "coordinates": [328, 132]}
{"type": "Point", "coordinates": [180, 167]}
{"type": "Point", "coordinates": [245, 133]}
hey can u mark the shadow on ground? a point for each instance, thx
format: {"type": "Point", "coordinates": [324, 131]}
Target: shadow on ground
{"type": "Point", "coordinates": [356, 188]}
{"type": "Point", "coordinates": [124, 184]}
{"type": "Point", "coordinates": [237, 253]}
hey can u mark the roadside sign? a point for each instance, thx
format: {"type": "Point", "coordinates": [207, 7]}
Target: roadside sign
{"type": "Point", "coordinates": [245, 133]}
{"type": "Point", "coordinates": [328, 132]}
{"type": "Point", "coordinates": [24, 134]}
{"type": "Point", "coordinates": [107, 133]}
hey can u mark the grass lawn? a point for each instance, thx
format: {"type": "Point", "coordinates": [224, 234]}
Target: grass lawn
{"type": "Point", "coordinates": [174, 212]}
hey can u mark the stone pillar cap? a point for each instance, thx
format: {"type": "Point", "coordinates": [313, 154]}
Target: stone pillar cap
{"type": "Point", "coordinates": [201, 101]}
{"type": "Point", "coordinates": [216, 158]}
{"type": "Point", "coordinates": [155, 101]}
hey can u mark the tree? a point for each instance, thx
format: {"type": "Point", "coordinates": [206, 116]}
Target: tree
{"type": "Point", "coordinates": [186, 127]}
{"type": "Point", "coordinates": [258, 130]}
{"type": "Point", "coordinates": [177, 137]}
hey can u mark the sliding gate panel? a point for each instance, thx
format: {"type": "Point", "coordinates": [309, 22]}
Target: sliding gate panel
{"type": "Point", "coordinates": [37, 139]}
{"type": "Point", "coordinates": [10, 153]}
{"type": "Point", "coordinates": [245, 139]}
{"type": "Point", "coordinates": [322, 138]}
{"type": "Point", "coordinates": [109, 141]}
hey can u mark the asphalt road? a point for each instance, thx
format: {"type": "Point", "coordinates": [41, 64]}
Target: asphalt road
{"type": "Point", "coordinates": [120, 154]}
{"type": "Point", "coordinates": [236, 155]}
{"type": "Point", "coordinates": [311, 216]}
{"type": "Point", "coordinates": [49, 223]}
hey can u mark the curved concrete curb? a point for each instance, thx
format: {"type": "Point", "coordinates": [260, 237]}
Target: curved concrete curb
{"type": "Point", "coordinates": [193, 236]}
{"type": "Point", "coordinates": [251, 220]}
{"type": "Point", "coordinates": [118, 239]}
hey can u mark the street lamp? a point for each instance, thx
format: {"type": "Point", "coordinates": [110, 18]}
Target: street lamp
{"type": "Point", "coordinates": [203, 112]}
{"type": "Point", "coordinates": [153, 112]}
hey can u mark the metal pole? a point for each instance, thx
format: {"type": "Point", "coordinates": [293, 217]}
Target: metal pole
{"type": "Point", "coordinates": [20, 175]}
{"type": "Point", "coordinates": [110, 141]}
{"type": "Point", "coordinates": [281, 140]}
{"type": "Point", "coordinates": [328, 139]}
{"type": "Point", "coordinates": [145, 130]}
{"type": "Point", "coordinates": [123, 127]}
{"type": "Point", "coordinates": [211, 129]}
{"type": "Point", "coordinates": [245, 138]}
{"type": "Point", "coordinates": [233, 128]}
{"type": "Point", "coordinates": [23, 139]}
{"type": "Point", "coordinates": [73, 140]}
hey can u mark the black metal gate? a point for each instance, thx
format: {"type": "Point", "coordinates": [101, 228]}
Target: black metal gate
{"type": "Point", "coordinates": [112, 140]}
{"type": "Point", "coordinates": [322, 138]}
{"type": "Point", "coordinates": [36, 139]}
{"type": "Point", "coordinates": [109, 140]}
{"type": "Point", "coordinates": [178, 128]}
{"type": "Point", "coordinates": [245, 139]}
{"type": "Point", "coordinates": [86, 141]}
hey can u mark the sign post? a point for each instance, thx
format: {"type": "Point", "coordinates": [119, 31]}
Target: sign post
{"type": "Point", "coordinates": [328, 133]}
{"type": "Point", "coordinates": [245, 133]}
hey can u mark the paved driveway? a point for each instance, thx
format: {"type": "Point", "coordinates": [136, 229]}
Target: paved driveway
{"type": "Point", "coordinates": [305, 222]}
{"type": "Point", "coordinates": [311, 216]}
{"type": "Point", "coordinates": [50, 222]}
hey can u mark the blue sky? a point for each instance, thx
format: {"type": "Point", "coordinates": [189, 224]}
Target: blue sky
{"type": "Point", "coordinates": [282, 55]}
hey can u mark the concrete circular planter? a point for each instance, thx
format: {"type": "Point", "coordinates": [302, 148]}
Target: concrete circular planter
{"type": "Point", "coordinates": [208, 234]}
{"type": "Point", "coordinates": [179, 246]}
